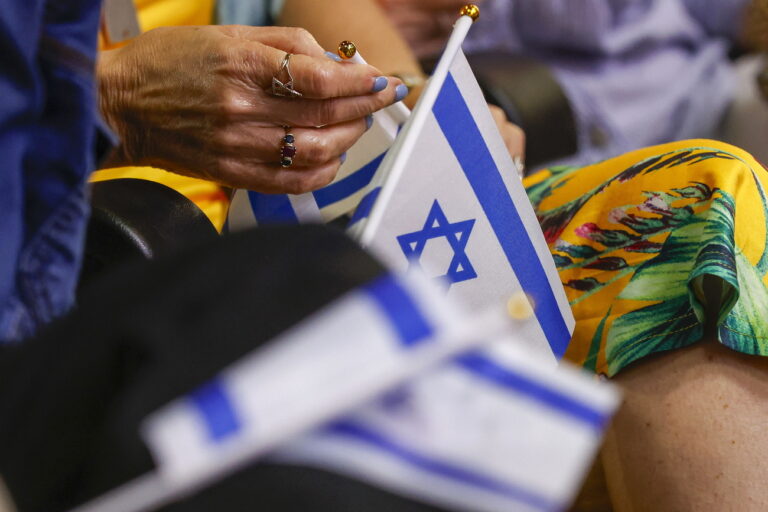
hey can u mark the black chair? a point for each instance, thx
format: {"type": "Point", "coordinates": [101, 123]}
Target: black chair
{"type": "Point", "coordinates": [138, 219]}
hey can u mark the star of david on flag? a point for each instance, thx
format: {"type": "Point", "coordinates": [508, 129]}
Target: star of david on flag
{"type": "Point", "coordinates": [457, 234]}
{"type": "Point", "coordinates": [450, 151]}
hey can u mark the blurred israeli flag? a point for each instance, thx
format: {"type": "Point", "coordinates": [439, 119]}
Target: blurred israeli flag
{"type": "Point", "coordinates": [449, 202]}
{"type": "Point", "coordinates": [497, 431]}
{"type": "Point", "coordinates": [372, 339]}
{"type": "Point", "coordinates": [341, 197]}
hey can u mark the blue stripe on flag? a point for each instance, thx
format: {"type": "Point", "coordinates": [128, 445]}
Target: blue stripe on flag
{"type": "Point", "coordinates": [366, 205]}
{"type": "Point", "coordinates": [272, 208]}
{"type": "Point", "coordinates": [344, 188]}
{"type": "Point", "coordinates": [213, 404]}
{"type": "Point", "coordinates": [403, 313]}
{"type": "Point", "coordinates": [459, 127]}
{"type": "Point", "coordinates": [491, 371]}
{"type": "Point", "coordinates": [439, 468]}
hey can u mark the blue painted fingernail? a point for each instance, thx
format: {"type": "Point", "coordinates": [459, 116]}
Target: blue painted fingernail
{"type": "Point", "coordinates": [379, 83]}
{"type": "Point", "coordinates": [343, 157]}
{"type": "Point", "coordinates": [401, 91]}
{"type": "Point", "coordinates": [333, 56]}
{"type": "Point", "coordinates": [368, 122]}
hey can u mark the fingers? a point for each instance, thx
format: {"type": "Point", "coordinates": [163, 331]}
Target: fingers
{"type": "Point", "coordinates": [513, 135]}
{"type": "Point", "coordinates": [314, 77]}
{"type": "Point", "coordinates": [308, 113]}
{"type": "Point", "coordinates": [273, 179]}
{"type": "Point", "coordinates": [288, 39]}
{"type": "Point", "coordinates": [314, 146]}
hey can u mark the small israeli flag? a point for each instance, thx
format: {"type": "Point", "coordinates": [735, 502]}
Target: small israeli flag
{"type": "Point", "coordinates": [448, 201]}
{"type": "Point", "coordinates": [341, 197]}
{"type": "Point", "coordinates": [498, 431]}
{"type": "Point", "coordinates": [367, 342]}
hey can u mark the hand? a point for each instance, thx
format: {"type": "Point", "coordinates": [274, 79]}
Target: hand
{"type": "Point", "coordinates": [425, 24]}
{"type": "Point", "coordinates": [197, 101]}
{"type": "Point", "coordinates": [513, 135]}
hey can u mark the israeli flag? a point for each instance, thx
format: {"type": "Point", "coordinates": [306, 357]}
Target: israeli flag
{"type": "Point", "coordinates": [498, 431]}
{"type": "Point", "coordinates": [448, 201]}
{"type": "Point", "coordinates": [341, 197]}
{"type": "Point", "coordinates": [371, 340]}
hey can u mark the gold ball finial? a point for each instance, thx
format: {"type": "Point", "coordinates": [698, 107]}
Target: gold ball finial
{"type": "Point", "coordinates": [347, 49]}
{"type": "Point", "coordinates": [470, 10]}
{"type": "Point", "coordinates": [520, 306]}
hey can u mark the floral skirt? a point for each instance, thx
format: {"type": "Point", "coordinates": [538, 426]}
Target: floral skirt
{"type": "Point", "coordinates": [634, 236]}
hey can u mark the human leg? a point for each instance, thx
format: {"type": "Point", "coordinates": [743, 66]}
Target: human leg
{"type": "Point", "coordinates": [690, 435]}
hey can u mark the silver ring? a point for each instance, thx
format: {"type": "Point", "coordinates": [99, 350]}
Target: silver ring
{"type": "Point", "coordinates": [284, 88]}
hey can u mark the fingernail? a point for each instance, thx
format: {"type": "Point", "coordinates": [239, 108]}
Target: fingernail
{"type": "Point", "coordinates": [379, 83]}
{"type": "Point", "coordinates": [333, 56]}
{"type": "Point", "coordinates": [343, 157]}
{"type": "Point", "coordinates": [401, 91]}
{"type": "Point", "coordinates": [368, 122]}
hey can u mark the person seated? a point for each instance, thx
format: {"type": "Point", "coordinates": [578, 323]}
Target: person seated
{"type": "Point", "coordinates": [663, 253]}
{"type": "Point", "coordinates": [636, 73]}
{"type": "Point", "coordinates": [388, 51]}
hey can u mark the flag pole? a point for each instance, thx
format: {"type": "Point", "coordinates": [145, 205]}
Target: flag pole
{"type": "Point", "coordinates": [395, 162]}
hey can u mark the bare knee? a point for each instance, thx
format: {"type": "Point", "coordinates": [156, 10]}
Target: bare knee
{"type": "Point", "coordinates": [689, 436]}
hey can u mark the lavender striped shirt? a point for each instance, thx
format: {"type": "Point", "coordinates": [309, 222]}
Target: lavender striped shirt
{"type": "Point", "coordinates": [637, 72]}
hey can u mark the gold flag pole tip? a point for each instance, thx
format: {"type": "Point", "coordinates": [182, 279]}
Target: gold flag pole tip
{"type": "Point", "coordinates": [520, 306]}
{"type": "Point", "coordinates": [347, 49]}
{"type": "Point", "coordinates": [470, 10]}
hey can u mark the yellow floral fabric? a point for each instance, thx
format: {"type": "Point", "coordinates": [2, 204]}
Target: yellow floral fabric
{"type": "Point", "coordinates": [210, 197]}
{"type": "Point", "coordinates": [633, 236]}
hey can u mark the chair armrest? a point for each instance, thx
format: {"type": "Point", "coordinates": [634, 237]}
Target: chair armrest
{"type": "Point", "coordinates": [138, 219]}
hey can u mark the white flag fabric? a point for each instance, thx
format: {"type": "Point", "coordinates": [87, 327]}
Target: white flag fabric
{"type": "Point", "coordinates": [341, 197]}
{"type": "Point", "coordinates": [505, 433]}
{"type": "Point", "coordinates": [453, 206]}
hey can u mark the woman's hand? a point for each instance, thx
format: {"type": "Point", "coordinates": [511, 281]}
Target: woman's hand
{"type": "Point", "coordinates": [197, 101]}
{"type": "Point", "coordinates": [513, 135]}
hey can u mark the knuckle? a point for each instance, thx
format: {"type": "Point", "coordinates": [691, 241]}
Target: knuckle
{"type": "Point", "coordinates": [303, 35]}
{"type": "Point", "coordinates": [321, 81]}
{"type": "Point", "coordinates": [318, 151]}
{"type": "Point", "coordinates": [232, 105]}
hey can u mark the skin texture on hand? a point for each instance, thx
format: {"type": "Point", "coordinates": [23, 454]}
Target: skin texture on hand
{"type": "Point", "coordinates": [513, 135]}
{"type": "Point", "coordinates": [197, 101]}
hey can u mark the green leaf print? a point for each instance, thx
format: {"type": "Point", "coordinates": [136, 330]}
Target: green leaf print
{"type": "Point", "coordinates": [746, 326]}
{"type": "Point", "coordinates": [640, 333]}
{"type": "Point", "coordinates": [703, 246]}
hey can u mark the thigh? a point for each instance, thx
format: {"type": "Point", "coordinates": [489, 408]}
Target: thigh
{"type": "Point", "coordinates": [690, 435]}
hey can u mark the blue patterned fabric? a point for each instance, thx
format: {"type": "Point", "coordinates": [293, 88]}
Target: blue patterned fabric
{"type": "Point", "coordinates": [47, 128]}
